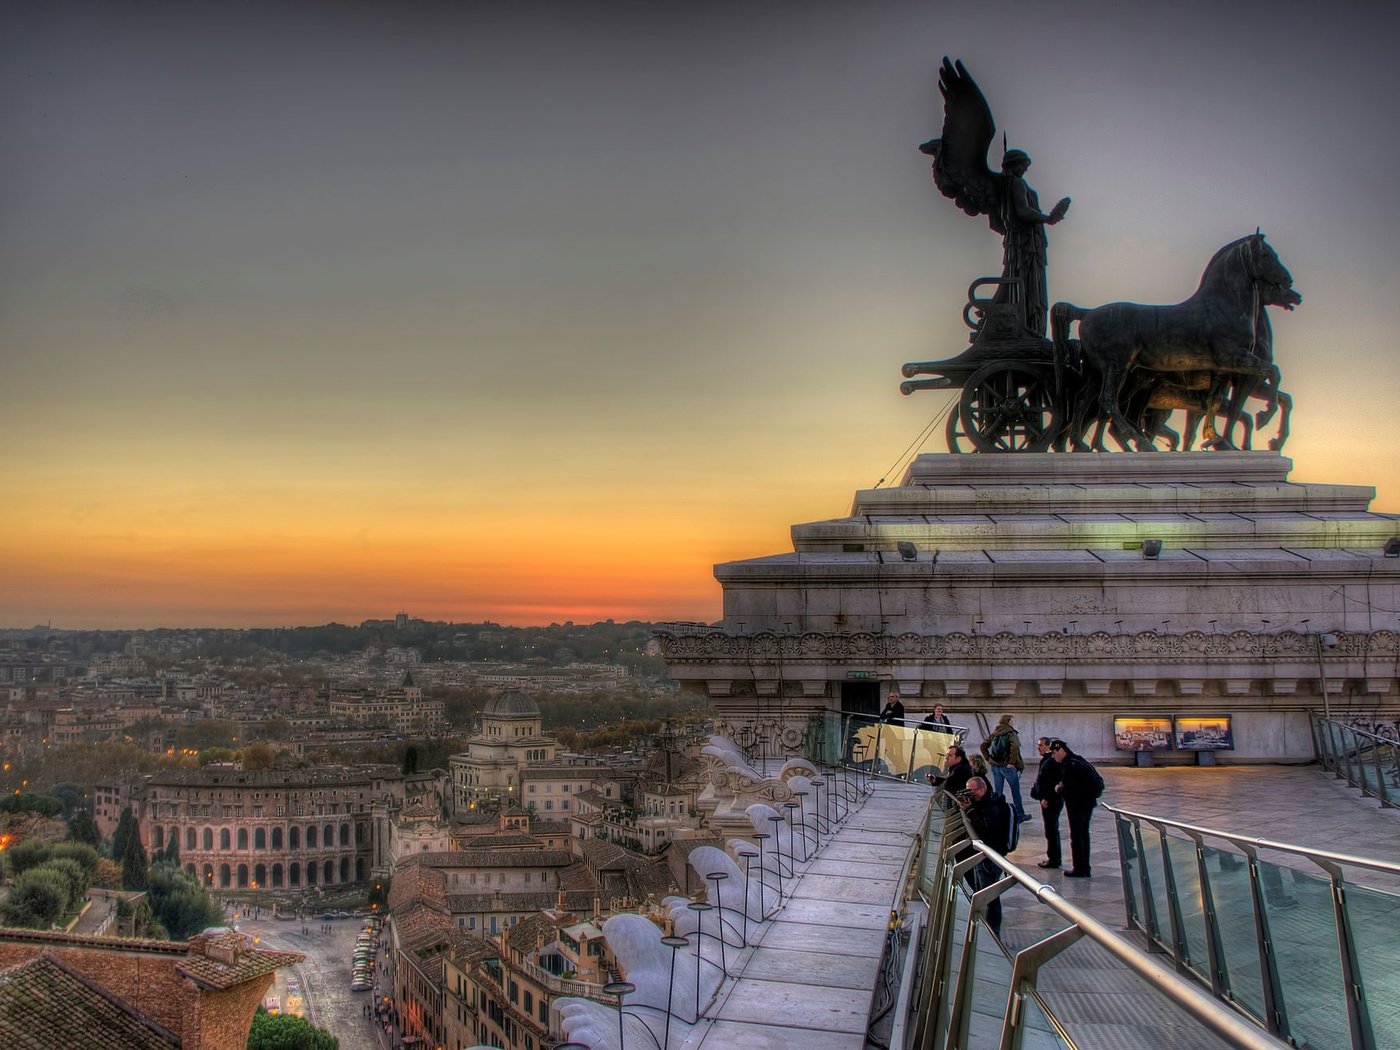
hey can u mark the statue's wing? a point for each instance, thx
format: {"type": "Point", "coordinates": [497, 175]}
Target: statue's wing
{"type": "Point", "coordinates": [960, 157]}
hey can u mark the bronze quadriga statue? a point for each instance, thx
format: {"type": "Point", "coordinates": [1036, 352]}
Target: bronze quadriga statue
{"type": "Point", "coordinates": [1131, 366]}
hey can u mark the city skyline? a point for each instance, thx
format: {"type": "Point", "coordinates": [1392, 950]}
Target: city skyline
{"type": "Point", "coordinates": [316, 313]}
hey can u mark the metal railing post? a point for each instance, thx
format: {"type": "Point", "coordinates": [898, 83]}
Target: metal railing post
{"type": "Point", "coordinates": [1363, 1036]}
{"type": "Point", "coordinates": [1025, 968]}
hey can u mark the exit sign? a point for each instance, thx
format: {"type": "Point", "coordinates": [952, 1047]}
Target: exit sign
{"type": "Point", "coordinates": [859, 674]}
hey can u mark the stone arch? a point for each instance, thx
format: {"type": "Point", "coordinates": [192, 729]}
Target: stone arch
{"type": "Point", "coordinates": [242, 839]}
{"type": "Point", "coordinates": [260, 877]}
{"type": "Point", "coordinates": [328, 871]}
{"type": "Point", "coordinates": [242, 876]}
{"type": "Point", "coordinates": [276, 838]}
{"type": "Point", "coordinates": [208, 837]}
{"type": "Point", "coordinates": [311, 836]}
{"type": "Point", "coordinates": [208, 875]}
{"type": "Point", "coordinates": [345, 834]}
{"type": "Point", "coordinates": [294, 837]}
{"type": "Point", "coordinates": [172, 835]}
{"type": "Point", "coordinates": [344, 869]}
{"type": "Point", "coordinates": [157, 837]}
{"type": "Point", "coordinates": [277, 876]}
{"type": "Point", "coordinates": [190, 839]}
{"type": "Point", "coordinates": [311, 873]}
{"type": "Point", "coordinates": [225, 839]}
{"type": "Point", "coordinates": [328, 836]}
{"type": "Point", "coordinates": [225, 877]}
{"type": "Point", "coordinates": [294, 873]}
{"type": "Point", "coordinates": [260, 838]}
{"type": "Point", "coordinates": [359, 869]}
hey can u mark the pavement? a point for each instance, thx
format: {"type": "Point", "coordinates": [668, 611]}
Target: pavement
{"type": "Point", "coordinates": [324, 976]}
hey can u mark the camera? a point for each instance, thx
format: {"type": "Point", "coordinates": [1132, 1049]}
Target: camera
{"type": "Point", "coordinates": [964, 796]}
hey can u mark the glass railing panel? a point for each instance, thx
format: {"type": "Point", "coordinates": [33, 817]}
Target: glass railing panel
{"type": "Point", "coordinates": [989, 993]}
{"type": "Point", "coordinates": [1375, 929]}
{"type": "Point", "coordinates": [1182, 855]}
{"type": "Point", "coordinates": [887, 749]}
{"type": "Point", "coordinates": [1304, 934]}
{"type": "Point", "coordinates": [1038, 1032]}
{"type": "Point", "coordinates": [1228, 872]}
{"type": "Point", "coordinates": [1157, 885]}
{"type": "Point", "coordinates": [959, 935]}
{"type": "Point", "coordinates": [1127, 850]}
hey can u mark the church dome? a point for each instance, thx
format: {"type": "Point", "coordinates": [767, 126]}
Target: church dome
{"type": "Point", "coordinates": [511, 704]}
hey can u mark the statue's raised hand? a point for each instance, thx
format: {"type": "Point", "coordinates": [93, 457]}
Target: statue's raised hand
{"type": "Point", "coordinates": [1059, 210]}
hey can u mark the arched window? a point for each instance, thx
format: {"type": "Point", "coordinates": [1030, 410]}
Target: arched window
{"type": "Point", "coordinates": [311, 874]}
{"type": "Point", "coordinates": [344, 869]}
{"type": "Point", "coordinates": [294, 874]}
{"type": "Point", "coordinates": [276, 838]}
{"type": "Point", "coordinates": [242, 838]}
{"type": "Point", "coordinates": [294, 838]}
{"type": "Point", "coordinates": [208, 875]}
{"type": "Point", "coordinates": [224, 877]}
{"type": "Point", "coordinates": [328, 836]}
{"type": "Point", "coordinates": [277, 876]}
{"type": "Point", "coordinates": [208, 837]}
{"type": "Point", "coordinates": [173, 835]}
{"type": "Point", "coordinates": [260, 876]}
{"type": "Point", "coordinates": [157, 838]}
{"type": "Point", "coordinates": [345, 834]}
{"type": "Point", "coordinates": [189, 870]}
{"type": "Point", "coordinates": [359, 834]}
{"type": "Point", "coordinates": [242, 876]}
{"type": "Point", "coordinates": [189, 840]}
{"type": "Point", "coordinates": [329, 873]}
{"type": "Point", "coordinates": [311, 836]}
{"type": "Point", "coordinates": [225, 839]}
{"type": "Point", "coordinates": [260, 839]}
{"type": "Point", "coordinates": [359, 869]}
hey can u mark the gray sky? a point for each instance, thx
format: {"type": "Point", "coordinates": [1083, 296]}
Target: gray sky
{"type": "Point", "coordinates": [306, 308]}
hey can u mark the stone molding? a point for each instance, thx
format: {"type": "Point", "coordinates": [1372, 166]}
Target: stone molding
{"type": "Point", "coordinates": [766, 647]}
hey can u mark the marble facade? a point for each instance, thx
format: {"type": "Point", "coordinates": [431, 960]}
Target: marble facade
{"type": "Point", "coordinates": [1027, 584]}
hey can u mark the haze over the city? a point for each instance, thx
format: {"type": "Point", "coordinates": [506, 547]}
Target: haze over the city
{"type": "Point", "coordinates": [535, 312]}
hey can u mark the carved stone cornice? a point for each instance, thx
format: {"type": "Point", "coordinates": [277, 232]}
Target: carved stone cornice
{"type": "Point", "coordinates": [717, 646]}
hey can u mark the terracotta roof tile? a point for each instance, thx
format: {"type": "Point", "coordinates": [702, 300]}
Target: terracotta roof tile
{"type": "Point", "coordinates": [44, 1004]}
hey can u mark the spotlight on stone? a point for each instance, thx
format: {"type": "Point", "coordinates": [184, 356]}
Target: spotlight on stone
{"type": "Point", "coordinates": [907, 550]}
{"type": "Point", "coordinates": [1151, 549]}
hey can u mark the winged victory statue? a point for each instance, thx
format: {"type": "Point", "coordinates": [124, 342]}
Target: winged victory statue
{"type": "Point", "coordinates": [961, 173]}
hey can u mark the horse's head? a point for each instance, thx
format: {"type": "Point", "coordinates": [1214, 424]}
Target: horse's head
{"type": "Point", "coordinates": [1270, 276]}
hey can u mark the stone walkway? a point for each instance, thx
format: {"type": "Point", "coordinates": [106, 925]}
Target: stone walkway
{"type": "Point", "coordinates": [809, 978]}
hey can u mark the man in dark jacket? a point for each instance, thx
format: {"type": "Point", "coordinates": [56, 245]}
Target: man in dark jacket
{"type": "Point", "coordinates": [893, 711]}
{"type": "Point", "coordinates": [989, 819]}
{"type": "Point", "coordinates": [1043, 791]}
{"type": "Point", "coordinates": [957, 771]}
{"type": "Point", "coordinates": [1079, 788]}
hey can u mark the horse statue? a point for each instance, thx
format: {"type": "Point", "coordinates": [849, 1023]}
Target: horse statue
{"type": "Point", "coordinates": [1212, 345]}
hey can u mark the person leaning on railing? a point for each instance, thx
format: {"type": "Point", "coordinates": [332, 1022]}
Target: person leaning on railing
{"type": "Point", "coordinates": [989, 819]}
{"type": "Point", "coordinates": [957, 770]}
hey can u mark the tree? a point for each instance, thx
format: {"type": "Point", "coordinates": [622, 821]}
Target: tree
{"type": "Point", "coordinates": [38, 899]}
{"type": "Point", "coordinates": [73, 874]}
{"type": "Point", "coordinates": [81, 852]}
{"type": "Point", "coordinates": [108, 874]}
{"type": "Point", "coordinates": [26, 855]}
{"type": "Point", "coordinates": [126, 830]}
{"type": "Point", "coordinates": [179, 903]}
{"type": "Point", "coordinates": [288, 1032]}
{"type": "Point", "coordinates": [171, 853]}
{"type": "Point", "coordinates": [134, 864]}
{"type": "Point", "coordinates": [82, 828]}
{"type": "Point", "coordinates": [259, 755]}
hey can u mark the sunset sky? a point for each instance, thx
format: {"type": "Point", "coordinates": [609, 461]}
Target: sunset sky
{"type": "Point", "coordinates": [533, 312]}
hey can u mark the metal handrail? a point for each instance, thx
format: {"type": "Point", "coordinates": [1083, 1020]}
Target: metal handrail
{"type": "Point", "coordinates": [1258, 843]}
{"type": "Point", "coordinates": [1329, 745]}
{"type": "Point", "coordinates": [1221, 1020]}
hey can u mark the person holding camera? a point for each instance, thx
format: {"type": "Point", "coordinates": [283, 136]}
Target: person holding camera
{"type": "Point", "coordinates": [989, 819]}
{"type": "Point", "coordinates": [957, 770]}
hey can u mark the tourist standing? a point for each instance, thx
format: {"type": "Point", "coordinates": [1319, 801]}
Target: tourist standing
{"type": "Point", "coordinates": [1002, 750]}
{"type": "Point", "coordinates": [893, 711]}
{"type": "Point", "coordinates": [1047, 778]}
{"type": "Point", "coordinates": [937, 720]}
{"type": "Point", "coordinates": [989, 819]}
{"type": "Point", "coordinates": [1079, 788]}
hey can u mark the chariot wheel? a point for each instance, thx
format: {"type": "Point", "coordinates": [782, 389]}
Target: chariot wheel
{"type": "Point", "coordinates": [957, 438]}
{"type": "Point", "coordinates": [1010, 407]}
